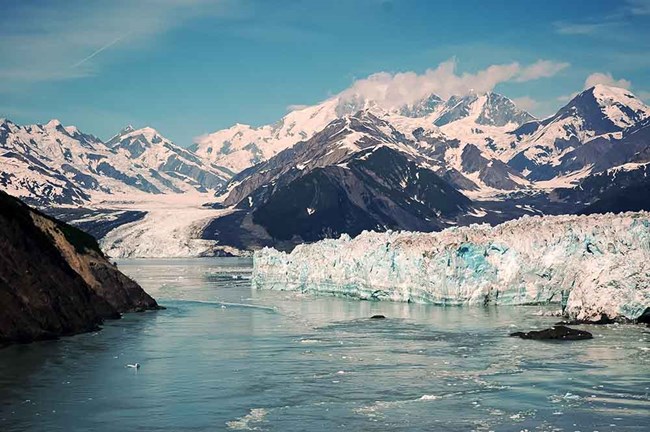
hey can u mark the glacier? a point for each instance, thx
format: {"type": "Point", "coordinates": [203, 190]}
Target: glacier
{"type": "Point", "coordinates": [170, 228]}
{"type": "Point", "coordinates": [600, 262]}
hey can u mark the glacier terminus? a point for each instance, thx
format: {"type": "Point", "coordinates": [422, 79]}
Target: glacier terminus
{"type": "Point", "coordinates": [597, 267]}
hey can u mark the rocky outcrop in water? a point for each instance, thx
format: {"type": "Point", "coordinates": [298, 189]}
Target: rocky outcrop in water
{"type": "Point", "coordinates": [54, 279]}
{"type": "Point", "coordinates": [558, 332]}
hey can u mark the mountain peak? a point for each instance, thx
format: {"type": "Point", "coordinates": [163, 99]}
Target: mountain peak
{"type": "Point", "coordinates": [126, 130]}
{"type": "Point", "coordinates": [609, 108]}
{"type": "Point", "coordinates": [54, 123]}
{"type": "Point", "coordinates": [487, 109]}
{"type": "Point", "coordinates": [136, 141]}
{"type": "Point", "coordinates": [147, 131]}
{"type": "Point", "coordinates": [151, 135]}
{"type": "Point", "coordinates": [422, 107]}
{"type": "Point", "coordinates": [607, 90]}
{"type": "Point", "coordinates": [604, 94]}
{"type": "Point", "coordinates": [72, 130]}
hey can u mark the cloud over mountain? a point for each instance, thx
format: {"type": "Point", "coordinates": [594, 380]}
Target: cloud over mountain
{"type": "Point", "coordinates": [606, 79]}
{"type": "Point", "coordinates": [395, 89]}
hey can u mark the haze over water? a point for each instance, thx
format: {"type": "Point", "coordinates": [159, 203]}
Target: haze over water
{"type": "Point", "coordinates": [225, 357]}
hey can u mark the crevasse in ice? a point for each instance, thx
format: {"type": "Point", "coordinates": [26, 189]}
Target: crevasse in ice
{"type": "Point", "coordinates": [602, 262]}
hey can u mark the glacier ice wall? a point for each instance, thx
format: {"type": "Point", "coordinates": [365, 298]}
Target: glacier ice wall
{"type": "Point", "coordinates": [602, 262]}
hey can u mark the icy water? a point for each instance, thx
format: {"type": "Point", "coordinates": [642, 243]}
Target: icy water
{"type": "Point", "coordinates": [225, 357]}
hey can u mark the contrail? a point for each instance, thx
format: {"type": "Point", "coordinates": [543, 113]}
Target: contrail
{"type": "Point", "coordinates": [93, 54]}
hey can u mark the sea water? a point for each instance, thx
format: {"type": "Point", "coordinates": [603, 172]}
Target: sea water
{"type": "Point", "coordinates": [225, 357]}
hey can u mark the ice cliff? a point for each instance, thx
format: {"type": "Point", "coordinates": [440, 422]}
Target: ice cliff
{"type": "Point", "coordinates": [602, 262]}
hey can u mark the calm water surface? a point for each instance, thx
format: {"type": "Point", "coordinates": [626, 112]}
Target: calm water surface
{"type": "Point", "coordinates": [225, 357]}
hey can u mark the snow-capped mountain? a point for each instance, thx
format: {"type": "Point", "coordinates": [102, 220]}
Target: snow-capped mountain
{"type": "Point", "coordinates": [472, 138]}
{"type": "Point", "coordinates": [487, 139]}
{"type": "Point", "coordinates": [358, 173]}
{"type": "Point", "coordinates": [149, 148]}
{"type": "Point", "coordinates": [422, 108]}
{"type": "Point", "coordinates": [489, 109]}
{"type": "Point", "coordinates": [38, 162]}
{"type": "Point", "coordinates": [242, 146]}
{"type": "Point", "coordinates": [483, 120]}
{"type": "Point", "coordinates": [51, 164]}
{"type": "Point", "coordinates": [470, 149]}
{"type": "Point", "coordinates": [576, 137]}
{"type": "Point", "coordinates": [618, 189]}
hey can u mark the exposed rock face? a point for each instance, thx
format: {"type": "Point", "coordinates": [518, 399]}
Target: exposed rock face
{"type": "Point", "coordinates": [54, 280]}
{"type": "Point", "coordinates": [359, 173]}
{"type": "Point", "coordinates": [493, 110]}
{"type": "Point", "coordinates": [600, 128]}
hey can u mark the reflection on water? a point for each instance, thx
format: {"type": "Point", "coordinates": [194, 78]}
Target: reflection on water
{"type": "Point", "coordinates": [224, 357]}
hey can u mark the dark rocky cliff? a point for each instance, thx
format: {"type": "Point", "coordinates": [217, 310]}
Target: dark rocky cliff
{"type": "Point", "coordinates": [54, 279]}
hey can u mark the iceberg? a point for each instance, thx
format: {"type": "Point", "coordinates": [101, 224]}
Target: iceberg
{"type": "Point", "coordinates": [596, 266]}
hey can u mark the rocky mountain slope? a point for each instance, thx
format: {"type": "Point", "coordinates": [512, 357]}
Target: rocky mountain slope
{"type": "Point", "coordinates": [55, 165]}
{"type": "Point", "coordinates": [359, 173]}
{"type": "Point", "coordinates": [147, 147]}
{"type": "Point", "coordinates": [54, 280]}
{"type": "Point", "coordinates": [593, 132]}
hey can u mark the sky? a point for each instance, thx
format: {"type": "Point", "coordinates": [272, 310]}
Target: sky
{"type": "Point", "coordinates": [190, 67]}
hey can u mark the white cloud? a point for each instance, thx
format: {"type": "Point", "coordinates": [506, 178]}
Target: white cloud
{"type": "Point", "coordinates": [613, 25]}
{"type": "Point", "coordinates": [541, 69]}
{"type": "Point", "coordinates": [569, 28]}
{"type": "Point", "coordinates": [54, 42]}
{"type": "Point", "coordinates": [526, 103]}
{"type": "Point", "coordinates": [607, 79]}
{"type": "Point", "coordinates": [395, 89]}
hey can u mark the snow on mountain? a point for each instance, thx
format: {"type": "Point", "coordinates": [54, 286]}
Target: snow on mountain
{"type": "Point", "coordinates": [495, 132]}
{"type": "Point", "coordinates": [50, 164]}
{"type": "Point", "coordinates": [149, 148]}
{"type": "Point", "coordinates": [617, 189]}
{"type": "Point", "coordinates": [472, 164]}
{"type": "Point", "coordinates": [620, 106]}
{"type": "Point", "coordinates": [332, 145]}
{"type": "Point", "coordinates": [421, 108]}
{"type": "Point", "coordinates": [600, 261]}
{"type": "Point", "coordinates": [484, 121]}
{"type": "Point", "coordinates": [489, 109]}
{"type": "Point", "coordinates": [358, 173]}
{"type": "Point", "coordinates": [242, 146]}
{"type": "Point", "coordinates": [599, 113]}
{"type": "Point", "coordinates": [470, 135]}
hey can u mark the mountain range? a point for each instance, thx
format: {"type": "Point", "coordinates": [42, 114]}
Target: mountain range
{"type": "Point", "coordinates": [351, 164]}
{"type": "Point", "coordinates": [483, 158]}
{"type": "Point", "coordinates": [55, 165]}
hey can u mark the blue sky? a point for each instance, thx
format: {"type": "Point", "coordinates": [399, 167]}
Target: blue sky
{"type": "Point", "coordinates": [188, 67]}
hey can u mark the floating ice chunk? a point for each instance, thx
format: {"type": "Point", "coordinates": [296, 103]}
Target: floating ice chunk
{"type": "Point", "coordinates": [427, 397]}
{"type": "Point", "coordinates": [256, 415]}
